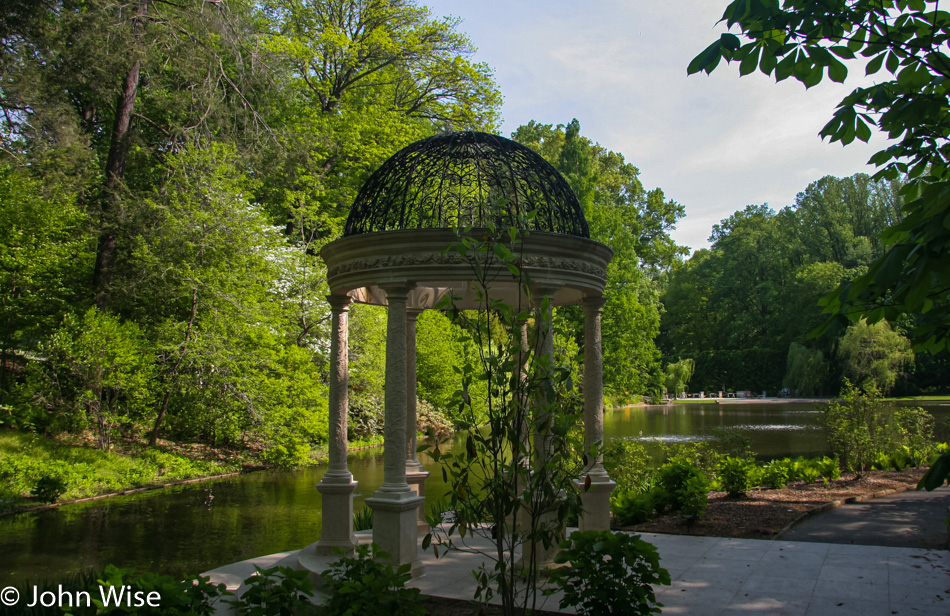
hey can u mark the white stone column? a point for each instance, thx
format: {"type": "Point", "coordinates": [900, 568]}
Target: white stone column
{"type": "Point", "coordinates": [416, 474]}
{"type": "Point", "coordinates": [394, 504]}
{"type": "Point", "coordinates": [544, 556]}
{"type": "Point", "coordinates": [595, 495]}
{"type": "Point", "coordinates": [545, 355]}
{"type": "Point", "coordinates": [337, 485]}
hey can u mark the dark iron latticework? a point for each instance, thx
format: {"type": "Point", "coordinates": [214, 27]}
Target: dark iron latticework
{"type": "Point", "coordinates": [466, 179]}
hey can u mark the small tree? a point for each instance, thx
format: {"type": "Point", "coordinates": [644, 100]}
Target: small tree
{"type": "Point", "coordinates": [857, 427]}
{"type": "Point", "coordinates": [678, 375]}
{"type": "Point", "coordinates": [513, 483]}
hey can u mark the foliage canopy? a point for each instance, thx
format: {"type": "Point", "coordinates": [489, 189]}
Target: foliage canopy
{"type": "Point", "coordinates": [906, 39]}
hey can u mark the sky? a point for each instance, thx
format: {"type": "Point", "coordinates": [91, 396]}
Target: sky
{"type": "Point", "coordinates": [712, 143]}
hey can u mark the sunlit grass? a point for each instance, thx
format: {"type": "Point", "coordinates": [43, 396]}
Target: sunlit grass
{"type": "Point", "coordinates": [25, 458]}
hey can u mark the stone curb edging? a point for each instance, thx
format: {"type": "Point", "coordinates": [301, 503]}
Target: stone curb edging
{"type": "Point", "coordinates": [153, 486]}
{"type": "Point", "coordinates": [838, 503]}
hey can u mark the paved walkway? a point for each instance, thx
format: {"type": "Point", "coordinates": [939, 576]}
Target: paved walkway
{"type": "Point", "coordinates": [912, 519]}
{"type": "Point", "coordinates": [718, 577]}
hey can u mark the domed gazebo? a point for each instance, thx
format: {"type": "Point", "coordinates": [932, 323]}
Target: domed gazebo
{"type": "Point", "coordinates": [392, 253]}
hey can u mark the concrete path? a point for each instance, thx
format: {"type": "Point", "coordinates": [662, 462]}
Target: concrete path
{"type": "Point", "coordinates": [912, 519]}
{"type": "Point", "coordinates": [720, 577]}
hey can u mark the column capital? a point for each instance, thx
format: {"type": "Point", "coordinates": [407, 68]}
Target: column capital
{"type": "Point", "coordinates": [413, 313]}
{"type": "Point", "coordinates": [397, 290]}
{"type": "Point", "coordinates": [547, 290]}
{"type": "Point", "coordinates": [594, 302]}
{"type": "Point", "coordinates": [339, 302]}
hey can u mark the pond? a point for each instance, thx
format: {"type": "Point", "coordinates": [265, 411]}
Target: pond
{"type": "Point", "coordinates": [196, 527]}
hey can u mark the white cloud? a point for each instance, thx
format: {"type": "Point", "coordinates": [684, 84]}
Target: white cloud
{"type": "Point", "coordinates": [713, 143]}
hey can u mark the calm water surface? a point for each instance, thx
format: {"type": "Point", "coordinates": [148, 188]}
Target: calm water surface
{"type": "Point", "coordinates": [196, 527]}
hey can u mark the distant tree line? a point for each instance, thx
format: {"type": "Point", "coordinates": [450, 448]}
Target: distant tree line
{"type": "Point", "coordinates": [744, 308]}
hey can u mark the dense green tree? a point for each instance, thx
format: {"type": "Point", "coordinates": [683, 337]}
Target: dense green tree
{"type": "Point", "coordinates": [907, 39]}
{"type": "Point", "coordinates": [757, 290]}
{"type": "Point", "coordinates": [102, 90]}
{"type": "Point", "coordinates": [45, 255]}
{"type": "Point", "coordinates": [635, 223]}
{"type": "Point", "coordinates": [94, 377]}
{"type": "Point", "coordinates": [366, 78]}
{"type": "Point", "coordinates": [874, 354]}
{"type": "Point", "coordinates": [179, 165]}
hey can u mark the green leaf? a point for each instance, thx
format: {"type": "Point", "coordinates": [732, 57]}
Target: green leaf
{"type": "Point", "coordinates": [893, 62]}
{"type": "Point", "coordinates": [706, 61]}
{"type": "Point", "coordinates": [837, 71]}
{"type": "Point", "coordinates": [874, 65]}
{"type": "Point", "coordinates": [937, 474]}
{"type": "Point", "coordinates": [730, 41]}
{"type": "Point", "coordinates": [862, 130]}
{"type": "Point", "coordinates": [749, 62]}
{"type": "Point", "coordinates": [813, 77]}
{"type": "Point", "coordinates": [784, 69]}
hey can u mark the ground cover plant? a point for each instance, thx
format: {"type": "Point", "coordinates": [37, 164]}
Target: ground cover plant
{"type": "Point", "coordinates": [36, 470]}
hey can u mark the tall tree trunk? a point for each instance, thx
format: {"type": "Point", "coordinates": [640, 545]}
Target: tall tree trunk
{"type": "Point", "coordinates": [115, 171]}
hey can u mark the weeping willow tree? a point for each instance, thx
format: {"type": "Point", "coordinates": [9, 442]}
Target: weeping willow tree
{"type": "Point", "coordinates": [807, 370]}
{"type": "Point", "coordinates": [678, 375]}
{"type": "Point", "coordinates": [874, 353]}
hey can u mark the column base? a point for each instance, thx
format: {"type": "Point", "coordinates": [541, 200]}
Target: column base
{"type": "Point", "coordinates": [337, 517]}
{"type": "Point", "coordinates": [395, 529]}
{"type": "Point", "coordinates": [596, 500]}
{"type": "Point", "coordinates": [417, 481]}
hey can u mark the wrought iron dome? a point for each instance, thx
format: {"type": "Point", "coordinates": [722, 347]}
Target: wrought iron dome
{"type": "Point", "coordinates": [466, 179]}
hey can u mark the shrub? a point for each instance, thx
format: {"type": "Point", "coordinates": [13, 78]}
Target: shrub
{"type": "Point", "coordinates": [775, 474]}
{"type": "Point", "coordinates": [700, 454]}
{"type": "Point", "coordinates": [629, 464]}
{"type": "Point", "coordinates": [191, 596]}
{"type": "Point", "coordinates": [278, 591]}
{"type": "Point", "coordinates": [693, 497]}
{"type": "Point", "coordinates": [828, 468]}
{"type": "Point", "coordinates": [633, 507]}
{"type": "Point", "coordinates": [48, 488]}
{"type": "Point", "coordinates": [363, 519]}
{"type": "Point", "coordinates": [810, 473]}
{"type": "Point", "coordinates": [609, 573]}
{"type": "Point", "coordinates": [856, 428]}
{"type": "Point", "coordinates": [914, 434]}
{"type": "Point", "coordinates": [681, 486]}
{"type": "Point", "coordinates": [364, 585]}
{"type": "Point", "coordinates": [735, 475]}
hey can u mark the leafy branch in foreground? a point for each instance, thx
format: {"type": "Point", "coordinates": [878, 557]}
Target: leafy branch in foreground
{"type": "Point", "coordinates": [908, 39]}
{"type": "Point", "coordinates": [513, 480]}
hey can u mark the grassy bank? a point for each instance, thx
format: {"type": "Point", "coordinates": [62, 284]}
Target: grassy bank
{"type": "Point", "coordinates": [35, 469]}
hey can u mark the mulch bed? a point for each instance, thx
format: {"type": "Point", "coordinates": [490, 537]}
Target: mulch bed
{"type": "Point", "coordinates": [763, 513]}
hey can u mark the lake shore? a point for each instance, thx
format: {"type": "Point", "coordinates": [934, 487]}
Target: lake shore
{"type": "Point", "coordinates": [774, 400]}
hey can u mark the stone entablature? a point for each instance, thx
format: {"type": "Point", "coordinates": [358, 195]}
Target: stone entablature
{"type": "Point", "coordinates": [360, 265]}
